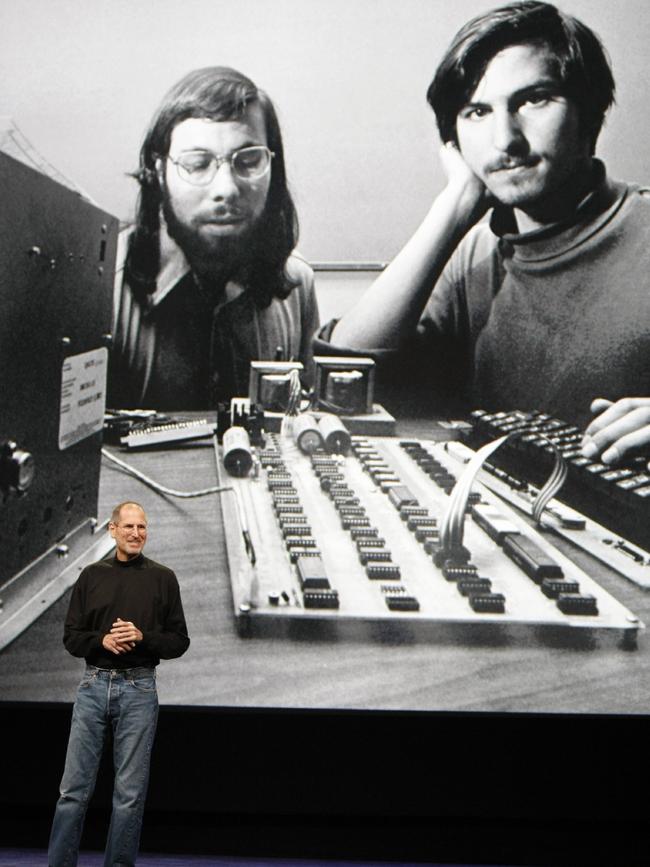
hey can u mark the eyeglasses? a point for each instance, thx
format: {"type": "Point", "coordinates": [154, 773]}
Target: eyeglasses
{"type": "Point", "coordinates": [200, 167]}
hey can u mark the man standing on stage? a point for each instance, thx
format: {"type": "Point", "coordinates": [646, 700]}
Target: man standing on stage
{"type": "Point", "coordinates": [125, 615]}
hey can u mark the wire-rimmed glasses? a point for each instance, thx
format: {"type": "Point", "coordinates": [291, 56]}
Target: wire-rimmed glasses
{"type": "Point", "coordinates": [199, 167]}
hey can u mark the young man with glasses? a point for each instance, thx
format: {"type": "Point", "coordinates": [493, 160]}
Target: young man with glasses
{"type": "Point", "coordinates": [546, 306]}
{"type": "Point", "coordinates": [125, 614]}
{"type": "Point", "coordinates": [209, 281]}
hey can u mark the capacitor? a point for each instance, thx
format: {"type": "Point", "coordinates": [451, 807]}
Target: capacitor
{"type": "Point", "coordinates": [237, 454]}
{"type": "Point", "coordinates": [335, 434]}
{"type": "Point", "coordinates": [307, 434]}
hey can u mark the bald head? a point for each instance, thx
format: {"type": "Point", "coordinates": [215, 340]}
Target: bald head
{"type": "Point", "coordinates": [117, 511]}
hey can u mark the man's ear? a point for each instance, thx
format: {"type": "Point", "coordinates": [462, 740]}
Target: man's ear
{"type": "Point", "coordinates": [159, 167]}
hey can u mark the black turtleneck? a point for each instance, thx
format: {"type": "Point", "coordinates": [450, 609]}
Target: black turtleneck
{"type": "Point", "coordinates": [138, 590]}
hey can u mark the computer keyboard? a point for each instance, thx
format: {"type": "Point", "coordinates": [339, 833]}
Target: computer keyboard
{"type": "Point", "coordinates": [616, 497]}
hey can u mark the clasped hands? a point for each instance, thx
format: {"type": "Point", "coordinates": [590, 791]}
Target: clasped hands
{"type": "Point", "coordinates": [123, 637]}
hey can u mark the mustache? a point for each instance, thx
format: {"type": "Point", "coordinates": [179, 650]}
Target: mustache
{"type": "Point", "coordinates": [224, 212]}
{"type": "Point", "coordinates": [504, 163]}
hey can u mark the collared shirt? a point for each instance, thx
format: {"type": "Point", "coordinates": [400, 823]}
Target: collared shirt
{"type": "Point", "coordinates": [181, 350]}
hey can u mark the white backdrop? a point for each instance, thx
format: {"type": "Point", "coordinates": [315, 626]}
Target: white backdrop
{"type": "Point", "coordinates": [82, 78]}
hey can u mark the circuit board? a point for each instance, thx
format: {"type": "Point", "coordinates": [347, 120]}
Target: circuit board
{"type": "Point", "coordinates": [348, 545]}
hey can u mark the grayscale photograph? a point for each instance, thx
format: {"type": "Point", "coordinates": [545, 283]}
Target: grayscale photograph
{"type": "Point", "coordinates": [310, 321]}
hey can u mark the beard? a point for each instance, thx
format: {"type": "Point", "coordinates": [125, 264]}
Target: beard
{"type": "Point", "coordinates": [216, 258]}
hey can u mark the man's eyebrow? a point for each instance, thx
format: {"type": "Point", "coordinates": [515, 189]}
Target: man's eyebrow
{"type": "Point", "coordinates": [248, 143]}
{"type": "Point", "coordinates": [547, 84]}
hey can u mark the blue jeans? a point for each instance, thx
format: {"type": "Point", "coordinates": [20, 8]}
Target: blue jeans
{"type": "Point", "coordinates": [127, 702]}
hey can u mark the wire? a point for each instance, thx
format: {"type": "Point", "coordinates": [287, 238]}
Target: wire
{"type": "Point", "coordinates": [156, 486]}
{"type": "Point", "coordinates": [293, 409]}
{"type": "Point", "coordinates": [295, 394]}
{"type": "Point", "coordinates": [171, 492]}
{"type": "Point", "coordinates": [239, 506]}
{"type": "Point", "coordinates": [332, 407]}
{"type": "Point", "coordinates": [162, 489]}
{"type": "Point", "coordinates": [451, 530]}
{"type": "Point", "coordinates": [553, 484]}
{"type": "Point", "coordinates": [11, 134]}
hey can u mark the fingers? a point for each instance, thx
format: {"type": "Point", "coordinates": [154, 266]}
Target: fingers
{"type": "Point", "coordinates": [122, 626]}
{"type": "Point", "coordinates": [620, 429]}
{"type": "Point", "coordinates": [600, 404]}
{"type": "Point", "coordinates": [125, 632]}
{"type": "Point", "coordinates": [453, 163]}
{"type": "Point", "coordinates": [118, 647]}
{"type": "Point", "coordinates": [109, 643]}
{"type": "Point", "coordinates": [122, 638]}
{"type": "Point", "coordinates": [608, 411]}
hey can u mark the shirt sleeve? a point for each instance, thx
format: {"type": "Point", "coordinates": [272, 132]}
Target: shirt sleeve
{"type": "Point", "coordinates": [429, 368]}
{"type": "Point", "coordinates": [323, 345]}
{"type": "Point", "coordinates": [310, 318]}
{"type": "Point", "coordinates": [172, 640]}
{"type": "Point", "coordinates": [77, 638]}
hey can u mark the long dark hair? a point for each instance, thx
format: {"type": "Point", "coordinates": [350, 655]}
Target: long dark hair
{"type": "Point", "coordinates": [217, 93]}
{"type": "Point", "coordinates": [582, 64]}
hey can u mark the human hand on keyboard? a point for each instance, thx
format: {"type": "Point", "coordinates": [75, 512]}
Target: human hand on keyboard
{"type": "Point", "coordinates": [619, 430]}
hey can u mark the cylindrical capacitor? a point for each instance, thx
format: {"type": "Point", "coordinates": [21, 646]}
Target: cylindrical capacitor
{"type": "Point", "coordinates": [334, 433]}
{"type": "Point", "coordinates": [307, 434]}
{"type": "Point", "coordinates": [237, 455]}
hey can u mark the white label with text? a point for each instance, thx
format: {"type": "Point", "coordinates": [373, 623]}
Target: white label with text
{"type": "Point", "coordinates": [83, 396]}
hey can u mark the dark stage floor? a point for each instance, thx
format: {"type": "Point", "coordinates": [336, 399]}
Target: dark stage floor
{"type": "Point", "coordinates": [38, 858]}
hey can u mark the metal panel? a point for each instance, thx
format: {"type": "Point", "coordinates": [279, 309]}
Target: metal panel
{"type": "Point", "coordinates": [57, 261]}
